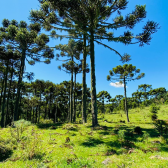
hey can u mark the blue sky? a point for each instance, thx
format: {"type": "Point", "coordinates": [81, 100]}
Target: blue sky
{"type": "Point", "coordinates": [151, 59]}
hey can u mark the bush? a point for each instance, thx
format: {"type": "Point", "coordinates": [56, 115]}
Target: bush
{"type": "Point", "coordinates": [145, 136]}
{"type": "Point", "coordinates": [46, 121]}
{"type": "Point", "coordinates": [161, 126]}
{"type": "Point", "coordinates": [121, 136]}
{"type": "Point", "coordinates": [18, 127]}
{"type": "Point", "coordinates": [108, 110]}
{"type": "Point", "coordinates": [154, 109]}
{"type": "Point", "coordinates": [32, 146]}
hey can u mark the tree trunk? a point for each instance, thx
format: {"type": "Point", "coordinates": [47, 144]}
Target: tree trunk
{"type": "Point", "coordinates": [33, 115]}
{"type": "Point", "coordinates": [50, 111]}
{"type": "Point", "coordinates": [126, 110]}
{"type": "Point", "coordinates": [69, 105]}
{"type": "Point", "coordinates": [19, 84]}
{"type": "Point", "coordinates": [7, 105]}
{"type": "Point", "coordinates": [13, 105]}
{"type": "Point", "coordinates": [45, 113]}
{"type": "Point", "coordinates": [93, 80]}
{"type": "Point", "coordinates": [39, 109]}
{"type": "Point", "coordinates": [74, 105]}
{"type": "Point", "coordinates": [103, 105]}
{"type": "Point", "coordinates": [55, 116]}
{"type": "Point", "coordinates": [2, 88]}
{"type": "Point", "coordinates": [84, 119]}
{"type": "Point", "coordinates": [4, 96]}
{"type": "Point", "coordinates": [36, 113]}
{"type": "Point", "coordinates": [71, 94]}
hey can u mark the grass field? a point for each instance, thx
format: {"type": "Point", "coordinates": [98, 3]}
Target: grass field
{"type": "Point", "coordinates": [76, 145]}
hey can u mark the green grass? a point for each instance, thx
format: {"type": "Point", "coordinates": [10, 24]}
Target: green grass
{"type": "Point", "coordinates": [45, 146]}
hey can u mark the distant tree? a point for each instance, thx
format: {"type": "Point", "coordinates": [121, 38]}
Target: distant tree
{"type": "Point", "coordinates": [125, 73]}
{"type": "Point", "coordinates": [156, 92]}
{"type": "Point", "coordinates": [137, 96]}
{"type": "Point", "coordinates": [119, 98]}
{"type": "Point", "coordinates": [102, 96]}
{"type": "Point", "coordinates": [145, 88]}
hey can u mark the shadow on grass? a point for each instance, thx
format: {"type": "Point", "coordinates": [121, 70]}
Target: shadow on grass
{"type": "Point", "coordinates": [104, 133]}
{"type": "Point", "coordinates": [51, 126]}
{"type": "Point", "coordinates": [164, 148]}
{"type": "Point", "coordinates": [152, 132]}
{"type": "Point", "coordinates": [92, 142]}
{"type": "Point", "coordinates": [5, 153]}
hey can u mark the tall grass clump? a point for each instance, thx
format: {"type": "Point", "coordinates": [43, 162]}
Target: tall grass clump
{"type": "Point", "coordinates": [18, 127]}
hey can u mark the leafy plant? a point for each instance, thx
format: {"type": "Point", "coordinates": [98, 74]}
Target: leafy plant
{"type": "Point", "coordinates": [154, 110]}
{"type": "Point", "coordinates": [145, 136]}
{"type": "Point", "coordinates": [18, 127]}
{"type": "Point", "coordinates": [46, 121]}
{"type": "Point", "coordinates": [121, 136]}
{"type": "Point", "coordinates": [32, 145]}
{"type": "Point", "coordinates": [161, 126]}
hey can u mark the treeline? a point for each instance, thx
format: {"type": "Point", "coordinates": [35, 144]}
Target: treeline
{"type": "Point", "coordinates": [41, 100]}
{"type": "Point", "coordinates": [144, 96]}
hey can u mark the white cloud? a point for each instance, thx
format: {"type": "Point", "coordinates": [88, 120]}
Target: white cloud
{"type": "Point", "coordinates": [117, 84]}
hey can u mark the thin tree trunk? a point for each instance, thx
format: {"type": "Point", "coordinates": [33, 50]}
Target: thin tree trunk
{"type": "Point", "coordinates": [103, 105]}
{"type": "Point", "coordinates": [7, 105]}
{"type": "Point", "coordinates": [69, 105]}
{"type": "Point", "coordinates": [4, 96]}
{"type": "Point", "coordinates": [13, 105]}
{"type": "Point", "coordinates": [126, 110]}
{"type": "Point", "coordinates": [84, 119]}
{"type": "Point", "coordinates": [39, 109]}
{"type": "Point", "coordinates": [36, 113]}
{"type": "Point", "coordinates": [45, 113]}
{"type": "Point", "coordinates": [71, 94]}
{"type": "Point", "coordinates": [33, 115]}
{"type": "Point", "coordinates": [93, 80]}
{"type": "Point", "coordinates": [55, 116]}
{"type": "Point", "coordinates": [2, 93]}
{"type": "Point", "coordinates": [74, 105]}
{"type": "Point", "coordinates": [50, 111]}
{"type": "Point", "coordinates": [46, 109]}
{"type": "Point", "coordinates": [19, 84]}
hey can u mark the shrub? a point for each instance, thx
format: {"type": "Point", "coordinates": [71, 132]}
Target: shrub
{"type": "Point", "coordinates": [145, 136]}
{"type": "Point", "coordinates": [32, 146]}
{"type": "Point", "coordinates": [121, 136]}
{"type": "Point", "coordinates": [154, 109]}
{"type": "Point", "coordinates": [161, 126]}
{"type": "Point", "coordinates": [18, 127]}
{"type": "Point", "coordinates": [46, 121]}
{"type": "Point", "coordinates": [108, 110]}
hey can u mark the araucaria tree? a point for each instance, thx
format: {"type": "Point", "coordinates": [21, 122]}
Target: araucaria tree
{"type": "Point", "coordinates": [102, 96]}
{"type": "Point", "coordinates": [70, 50]}
{"type": "Point", "coordinates": [125, 73]}
{"type": "Point", "coordinates": [32, 47]}
{"type": "Point", "coordinates": [93, 25]}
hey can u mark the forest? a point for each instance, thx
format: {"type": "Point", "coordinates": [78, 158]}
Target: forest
{"type": "Point", "coordinates": [46, 124]}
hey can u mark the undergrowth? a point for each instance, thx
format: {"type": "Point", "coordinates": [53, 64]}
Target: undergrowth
{"type": "Point", "coordinates": [114, 143]}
